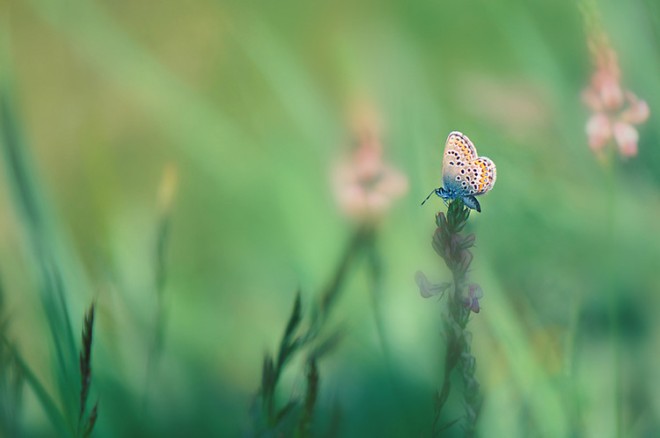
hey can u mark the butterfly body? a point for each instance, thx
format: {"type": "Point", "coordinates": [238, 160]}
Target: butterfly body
{"type": "Point", "coordinates": [450, 194]}
{"type": "Point", "coordinates": [465, 175]}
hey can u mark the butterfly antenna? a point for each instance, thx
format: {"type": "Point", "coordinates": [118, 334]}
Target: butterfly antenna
{"type": "Point", "coordinates": [427, 198]}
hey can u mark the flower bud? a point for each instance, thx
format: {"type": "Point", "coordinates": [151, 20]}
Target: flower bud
{"type": "Point", "coordinates": [598, 131]}
{"type": "Point", "coordinates": [638, 111]}
{"type": "Point", "coordinates": [471, 301]}
{"type": "Point", "coordinates": [441, 221]}
{"type": "Point", "coordinates": [465, 260]}
{"type": "Point", "coordinates": [468, 241]}
{"type": "Point", "coordinates": [611, 93]}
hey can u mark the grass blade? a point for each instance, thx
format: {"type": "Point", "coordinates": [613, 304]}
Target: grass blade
{"type": "Point", "coordinates": [44, 398]}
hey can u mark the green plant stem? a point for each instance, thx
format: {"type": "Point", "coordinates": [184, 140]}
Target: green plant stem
{"type": "Point", "coordinates": [452, 349]}
{"type": "Point", "coordinates": [612, 299]}
{"type": "Point", "coordinates": [44, 245]}
{"type": "Point", "coordinates": [453, 247]}
{"type": "Point", "coordinates": [571, 350]}
{"type": "Point", "coordinates": [305, 424]}
{"type": "Point", "coordinates": [160, 272]}
{"type": "Point", "coordinates": [293, 343]}
{"type": "Point", "coordinates": [375, 266]}
{"type": "Point", "coordinates": [46, 401]}
{"type": "Point", "coordinates": [361, 236]}
{"type": "Point", "coordinates": [331, 292]}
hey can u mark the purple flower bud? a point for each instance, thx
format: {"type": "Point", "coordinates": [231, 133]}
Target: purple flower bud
{"type": "Point", "coordinates": [438, 243]}
{"type": "Point", "coordinates": [474, 295]}
{"type": "Point", "coordinates": [468, 241]}
{"type": "Point", "coordinates": [455, 242]}
{"type": "Point", "coordinates": [466, 259]}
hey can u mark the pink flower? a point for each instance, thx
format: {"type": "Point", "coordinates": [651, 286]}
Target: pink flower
{"type": "Point", "coordinates": [598, 131]}
{"type": "Point", "coordinates": [605, 81]}
{"type": "Point", "coordinates": [365, 186]}
{"type": "Point", "coordinates": [637, 112]}
{"type": "Point", "coordinates": [626, 137]}
{"type": "Point", "coordinates": [615, 111]}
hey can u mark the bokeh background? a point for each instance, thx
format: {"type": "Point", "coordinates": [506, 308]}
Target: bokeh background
{"type": "Point", "coordinates": [236, 113]}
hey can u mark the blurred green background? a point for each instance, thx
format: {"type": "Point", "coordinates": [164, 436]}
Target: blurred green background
{"type": "Point", "coordinates": [251, 104]}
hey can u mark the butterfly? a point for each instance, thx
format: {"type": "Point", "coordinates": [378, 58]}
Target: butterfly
{"type": "Point", "coordinates": [465, 175]}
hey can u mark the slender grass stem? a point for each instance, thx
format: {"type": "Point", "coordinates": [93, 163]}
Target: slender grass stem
{"type": "Point", "coordinates": [294, 341]}
{"type": "Point", "coordinates": [156, 346]}
{"type": "Point", "coordinates": [45, 250]}
{"type": "Point", "coordinates": [47, 402]}
{"type": "Point", "coordinates": [613, 298]}
{"type": "Point", "coordinates": [330, 294]}
{"type": "Point", "coordinates": [375, 267]}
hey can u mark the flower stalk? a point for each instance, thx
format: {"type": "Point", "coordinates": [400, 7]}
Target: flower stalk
{"type": "Point", "coordinates": [462, 300]}
{"type": "Point", "coordinates": [365, 188]}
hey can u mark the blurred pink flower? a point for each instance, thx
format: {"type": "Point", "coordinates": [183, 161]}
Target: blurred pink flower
{"type": "Point", "coordinates": [637, 112]}
{"type": "Point", "coordinates": [615, 111]}
{"type": "Point", "coordinates": [598, 131]}
{"type": "Point", "coordinates": [365, 186]}
{"type": "Point", "coordinates": [626, 137]}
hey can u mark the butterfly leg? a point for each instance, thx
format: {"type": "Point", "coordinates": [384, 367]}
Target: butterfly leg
{"type": "Point", "coordinates": [427, 198]}
{"type": "Point", "coordinates": [437, 191]}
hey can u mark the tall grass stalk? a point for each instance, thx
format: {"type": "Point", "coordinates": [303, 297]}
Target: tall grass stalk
{"type": "Point", "coordinates": [48, 404]}
{"type": "Point", "coordinates": [167, 191]}
{"type": "Point", "coordinates": [296, 417]}
{"type": "Point", "coordinates": [376, 271]}
{"type": "Point", "coordinates": [12, 380]}
{"type": "Point", "coordinates": [86, 422]}
{"type": "Point", "coordinates": [53, 289]}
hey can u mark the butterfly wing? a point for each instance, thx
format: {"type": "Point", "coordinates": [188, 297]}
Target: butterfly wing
{"type": "Point", "coordinates": [459, 154]}
{"type": "Point", "coordinates": [480, 176]}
